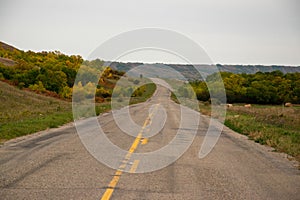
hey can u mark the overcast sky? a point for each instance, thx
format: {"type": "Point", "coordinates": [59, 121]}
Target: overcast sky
{"type": "Point", "coordinates": [232, 31]}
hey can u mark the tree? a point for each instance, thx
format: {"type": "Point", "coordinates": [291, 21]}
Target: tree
{"type": "Point", "coordinates": [53, 80]}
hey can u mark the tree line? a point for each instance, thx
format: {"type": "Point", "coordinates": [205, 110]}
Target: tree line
{"type": "Point", "coordinates": [57, 74]}
{"type": "Point", "coordinates": [260, 88]}
{"type": "Point", "coordinates": [50, 72]}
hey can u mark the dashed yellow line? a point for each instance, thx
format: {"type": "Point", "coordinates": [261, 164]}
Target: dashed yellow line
{"type": "Point", "coordinates": [134, 166]}
{"type": "Point", "coordinates": [111, 186]}
{"type": "Point", "coordinates": [145, 141]}
{"type": "Point", "coordinates": [135, 143]}
{"type": "Point", "coordinates": [107, 194]}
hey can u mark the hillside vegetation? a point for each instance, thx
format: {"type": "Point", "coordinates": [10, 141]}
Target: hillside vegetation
{"type": "Point", "coordinates": [260, 88]}
{"type": "Point", "coordinates": [36, 89]}
{"type": "Point", "coordinates": [53, 73]}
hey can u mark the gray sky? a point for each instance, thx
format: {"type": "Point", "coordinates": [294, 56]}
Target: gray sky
{"type": "Point", "coordinates": [230, 31]}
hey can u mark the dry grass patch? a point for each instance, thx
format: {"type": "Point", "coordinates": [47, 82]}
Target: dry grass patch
{"type": "Point", "coordinates": [276, 126]}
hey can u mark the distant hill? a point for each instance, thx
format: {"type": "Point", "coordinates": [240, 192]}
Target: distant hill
{"type": "Point", "coordinates": [190, 73]}
{"type": "Point", "coordinates": [11, 56]}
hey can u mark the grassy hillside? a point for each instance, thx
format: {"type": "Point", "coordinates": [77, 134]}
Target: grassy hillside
{"type": "Point", "coordinates": [27, 103]}
{"type": "Point", "coordinates": [23, 112]}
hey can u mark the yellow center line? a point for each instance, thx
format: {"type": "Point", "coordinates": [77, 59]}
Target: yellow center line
{"type": "Point", "coordinates": [135, 143]}
{"type": "Point", "coordinates": [134, 166]}
{"type": "Point", "coordinates": [111, 186]}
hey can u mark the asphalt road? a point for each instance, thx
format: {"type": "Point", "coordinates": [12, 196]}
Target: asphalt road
{"type": "Point", "coordinates": [55, 164]}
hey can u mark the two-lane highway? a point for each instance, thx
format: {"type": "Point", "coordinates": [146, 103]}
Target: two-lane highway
{"type": "Point", "coordinates": [56, 165]}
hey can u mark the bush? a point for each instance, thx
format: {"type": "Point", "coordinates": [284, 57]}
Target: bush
{"type": "Point", "coordinates": [39, 87]}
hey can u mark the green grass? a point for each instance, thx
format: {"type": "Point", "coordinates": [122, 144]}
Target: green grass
{"type": "Point", "coordinates": [149, 90]}
{"type": "Point", "coordinates": [24, 127]}
{"type": "Point", "coordinates": [23, 112]}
